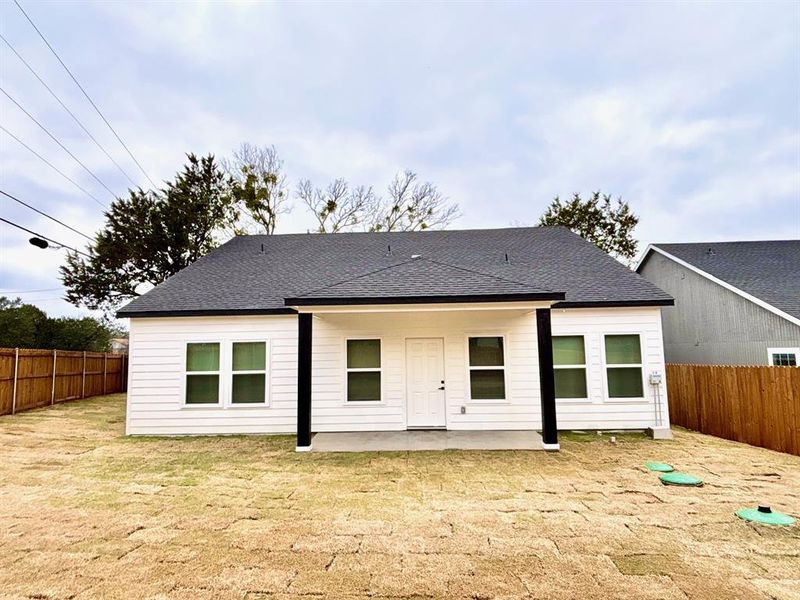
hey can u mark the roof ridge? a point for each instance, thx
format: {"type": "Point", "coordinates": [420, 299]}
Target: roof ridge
{"type": "Point", "coordinates": [417, 232]}
{"type": "Point", "coordinates": [724, 242]}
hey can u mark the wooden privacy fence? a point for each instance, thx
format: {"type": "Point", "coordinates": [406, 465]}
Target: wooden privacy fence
{"type": "Point", "coordinates": [36, 378]}
{"type": "Point", "coordinates": [755, 405]}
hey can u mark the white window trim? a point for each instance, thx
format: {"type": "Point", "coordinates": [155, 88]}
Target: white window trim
{"type": "Point", "coordinates": [606, 366]}
{"type": "Point", "coordinates": [186, 374]}
{"type": "Point", "coordinates": [265, 372]}
{"type": "Point", "coordinates": [584, 366]}
{"type": "Point", "coordinates": [226, 374]}
{"type": "Point", "coordinates": [382, 400]}
{"type": "Point", "coordinates": [503, 367]}
{"type": "Point", "coordinates": [771, 351]}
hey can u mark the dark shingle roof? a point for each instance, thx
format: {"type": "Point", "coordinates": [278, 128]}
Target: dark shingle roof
{"type": "Point", "coordinates": [256, 274]}
{"type": "Point", "coordinates": [422, 278]}
{"type": "Point", "coordinates": [768, 270]}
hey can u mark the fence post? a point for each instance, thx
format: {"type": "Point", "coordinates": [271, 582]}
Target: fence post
{"type": "Point", "coordinates": [53, 385]}
{"type": "Point", "coordinates": [123, 380]}
{"type": "Point", "coordinates": [105, 363]}
{"type": "Point", "coordinates": [14, 393]}
{"type": "Point", "coordinates": [83, 377]}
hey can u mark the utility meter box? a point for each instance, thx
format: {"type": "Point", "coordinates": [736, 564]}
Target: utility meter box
{"type": "Point", "coordinates": [655, 378]}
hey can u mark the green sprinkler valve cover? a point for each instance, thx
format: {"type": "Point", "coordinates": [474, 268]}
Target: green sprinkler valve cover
{"type": "Point", "coordinates": [765, 515]}
{"type": "Point", "coordinates": [680, 479]}
{"type": "Point", "coordinates": [659, 467]}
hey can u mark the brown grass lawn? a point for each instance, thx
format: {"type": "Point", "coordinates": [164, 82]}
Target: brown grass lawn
{"type": "Point", "coordinates": [87, 513]}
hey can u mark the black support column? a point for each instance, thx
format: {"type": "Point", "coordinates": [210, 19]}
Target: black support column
{"type": "Point", "coordinates": [304, 382]}
{"type": "Point", "coordinates": [547, 382]}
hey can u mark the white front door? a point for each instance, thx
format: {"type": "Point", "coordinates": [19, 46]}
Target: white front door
{"type": "Point", "coordinates": [425, 382]}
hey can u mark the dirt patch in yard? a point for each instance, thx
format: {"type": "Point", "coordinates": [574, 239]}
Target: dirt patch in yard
{"type": "Point", "coordinates": [86, 512]}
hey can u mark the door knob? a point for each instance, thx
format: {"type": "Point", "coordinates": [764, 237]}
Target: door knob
{"type": "Point", "coordinates": [441, 388]}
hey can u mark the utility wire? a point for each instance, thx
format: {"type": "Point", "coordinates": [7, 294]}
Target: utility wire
{"type": "Point", "coordinates": [30, 291]}
{"type": "Point", "coordinates": [39, 235]}
{"type": "Point", "coordinates": [56, 140]}
{"type": "Point", "coordinates": [44, 214]}
{"type": "Point", "coordinates": [71, 114]}
{"type": "Point", "coordinates": [41, 35]}
{"type": "Point", "coordinates": [56, 169]}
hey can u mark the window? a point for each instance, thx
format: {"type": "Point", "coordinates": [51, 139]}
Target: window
{"type": "Point", "coordinates": [363, 370]}
{"type": "Point", "coordinates": [569, 363]}
{"type": "Point", "coordinates": [624, 366]}
{"type": "Point", "coordinates": [249, 373]}
{"type": "Point", "coordinates": [784, 357]}
{"type": "Point", "coordinates": [202, 373]}
{"type": "Point", "coordinates": [487, 378]}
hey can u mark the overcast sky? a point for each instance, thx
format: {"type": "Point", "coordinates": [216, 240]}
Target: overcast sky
{"type": "Point", "coordinates": [688, 111]}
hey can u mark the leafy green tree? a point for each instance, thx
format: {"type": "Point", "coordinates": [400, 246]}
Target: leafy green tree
{"type": "Point", "coordinates": [258, 188]}
{"type": "Point", "coordinates": [78, 334]}
{"type": "Point", "coordinates": [151, 235]}
{"type": "Point", "coordinates": [607, 224]}
{"type": "Point", "coordinates": [26, 326]}
{"type": "Point", "coordinates": [20, 324]}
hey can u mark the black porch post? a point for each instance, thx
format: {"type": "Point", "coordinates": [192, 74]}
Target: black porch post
{"type": "Point", "coordinates": [304, 382]}
{"type": "Point", "coordinates": [547, 383]}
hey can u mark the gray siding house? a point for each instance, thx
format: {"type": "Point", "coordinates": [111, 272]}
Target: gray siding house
{"type": "Point", "coordinates": [735, 302]}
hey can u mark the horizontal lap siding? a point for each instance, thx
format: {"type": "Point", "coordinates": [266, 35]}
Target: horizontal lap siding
{"type": "Point", "coordinates": [600, 412]}
{"type": "Point", "coordinates": [157, 353]}
{"type": "Point", "coordinates": [330, 411]}
{"type": "Point", "coordinates": [155, 385]}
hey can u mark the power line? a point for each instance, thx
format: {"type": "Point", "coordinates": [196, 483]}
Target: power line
{"type": "Point", "coordinates": [30, 291]}
{"type": "Point", "coordinates": [45, 299]}
{"type": "Point", "coordinates": [56, 169]}
{"type": "Point", "coordinates": [55, 139]}
{"type": "Point", "coordinates": [44, 214]}
{"type": "Point", "coordinates": [71, 114]}
{"type": "Point", "coordinates": [41, 35]}
{"type": "Point", "coordinates": [39, 235]}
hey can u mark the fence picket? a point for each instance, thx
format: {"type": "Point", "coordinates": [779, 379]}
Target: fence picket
{"type": "Point", "coordinates": [53, 383]}
{"type": "Point", "coordinates": [16, 372]}
{"type": "Point", "coordinates": [34, 385]}
{"type": "Point", "coordinates": [757, 405]}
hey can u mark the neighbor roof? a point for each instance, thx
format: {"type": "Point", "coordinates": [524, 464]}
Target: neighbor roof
{"type": "Point", "coordinates": [269, 273]}
{"type": "Point", "coordinates": [766, 270]}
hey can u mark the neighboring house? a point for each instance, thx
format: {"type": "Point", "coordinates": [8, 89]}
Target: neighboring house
{"type": "Point", "coordinates": [401, 330]}
{"type": "Point", "coordinates": [735, 302]}
{"type": "Point", "coordinates": [119, 345]}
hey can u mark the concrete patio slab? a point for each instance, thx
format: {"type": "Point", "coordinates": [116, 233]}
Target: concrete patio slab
{"type": "Point", "coordinates": [399, 441]}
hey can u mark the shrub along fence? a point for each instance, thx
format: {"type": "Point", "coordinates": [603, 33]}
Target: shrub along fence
{"type": "Point", "coordinates": [755, 405]}
{"type": "Point", "coordinates": [36, 378]}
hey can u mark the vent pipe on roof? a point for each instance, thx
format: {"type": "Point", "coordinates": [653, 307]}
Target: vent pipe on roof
{"type": "Point", "coordinates": [507, 257]}
{"type": "Point", "coordinates": [389, 250]}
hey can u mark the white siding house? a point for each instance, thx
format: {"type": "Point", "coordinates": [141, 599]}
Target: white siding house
{"type": "Point", "coordinates": [403, 341]}
{"type": "Point", "coordinates": [156, 388]}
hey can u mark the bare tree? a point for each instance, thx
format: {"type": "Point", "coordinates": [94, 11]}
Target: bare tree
{"type": "Point", "coordinates": [337, 207]}
{"type": "Point", "coordinates": [258, 188]}
{"type": "Point", "coordinates": [411, 205]}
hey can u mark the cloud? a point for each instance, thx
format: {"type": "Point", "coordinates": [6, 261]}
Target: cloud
{"type": "Point", "coordinates": [689, 111]}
